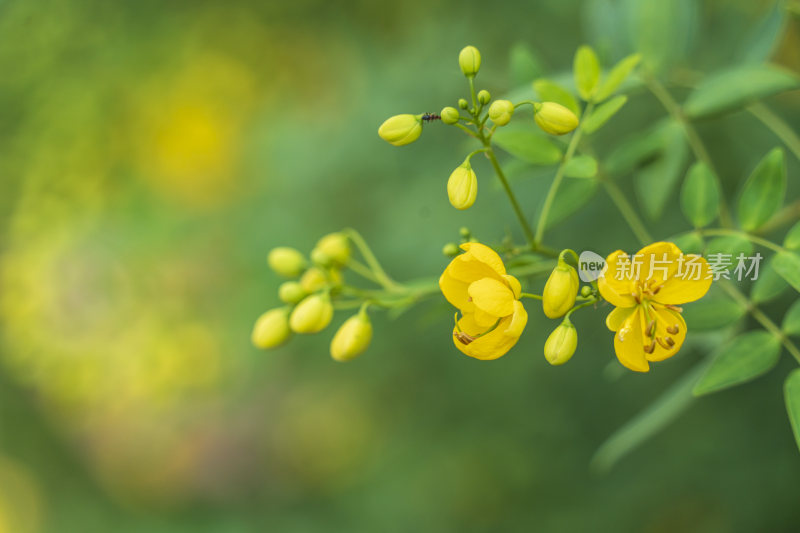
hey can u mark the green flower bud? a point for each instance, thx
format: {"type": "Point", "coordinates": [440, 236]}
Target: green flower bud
{"type": "Point", "coordinates": [332, 249]}
{"type": "Point", "coordinates": [586, 291]}
{"type": "Point", "coordinates": [400, 130]}
{"type": "Point", "coordinates": [554, 118]}
{"type": "Point", "coordinates": [469, 59]}
{"type": "Point", "coordinates": [271, 328]}
{"type": "Point", "coordinates": [312, 315]}
{"type": "Point", "coordinates": [560, 290]}
{"type": "Point", "coordinates": [561, 344]}
{"type": "Point", "coordinates": [462, 187]}
{"type": "Point", "coordinates": [450, 249]}
{"type": "Point", "coordinates": [286, 261]}
{"type": "Point", "coordinates": [291, 292]}
{"type": "Point", "coordinates": [501, 111]}
{"type": "Point", "coordinates": [313, 280]}
{"type": "Point", "coordinates": [484, 97]}
{"type": "Point", "coordinates": [450, 115]}
{"type": "Point", "coordinates": [352, 338]}
{"type": "Point", "coordinates": [462, 103]}
{"type": "Point", "coordinates": [465, 232]}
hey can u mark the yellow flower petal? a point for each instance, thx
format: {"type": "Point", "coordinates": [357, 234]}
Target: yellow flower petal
{"type": "Point", "coordinates": [617, 317]}
{"type": "Point", "coordinates": [514, 284]}
{"type": "Point", "coordinates": [495, 343]}
{"type": "Point", "coordinates": [484, 254]}
{"type": "Point", "coordinates": [629, 343]}
{"type": "Point", "coordinates": [615, 288]}
{"type": "Point", "coordinates": [455, 291]}
{"type": "Point", "coordinates": [518, 320]}
{"type": "Point", "coordinates": [492, 296]}
{"type": "Point", "coordinates": [484, 319]}
{"type": "Point", "coordinates": [659, 261]}
{"type": "Point", "coordinates": [688, 285]}
{"type": "Point", "coordinates": [667, 318]}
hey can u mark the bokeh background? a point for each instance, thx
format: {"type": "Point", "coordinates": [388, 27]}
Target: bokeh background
{"type": "Point", "coordinates": [151, 153]}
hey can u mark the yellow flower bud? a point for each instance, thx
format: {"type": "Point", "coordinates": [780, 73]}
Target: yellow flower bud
{"type": "Point", "coordinates": [286, 261]}
{"type": "Point", "coordinates": [400, 130]}
{"type": "Point", "coordinates": [352, 338]}
{"type": "Point", "coordinates": [561, 344]}
{"type": "Point", "coordinates": [554, 118]}
{"type": "Point", "coordinates": [271, 328]}
{"type": "Point", "coordinates": [462, 187]}
{"type": "Point", "coordinates": [449, 115]}
{"type": "Point", "coordinates": [291, 292]}
{"type": "Point", "coordinates": [450, 249]}
{"type": "Point", "coordinates": [313, 280]}
{"type": "Point", "coordinates": [560, 291]}
{"type": "Point", "coordinates": [469, 59]}
{"type": "Point", "coordinates": [312, 315]}
{"type": "Point", "coordinates": [332, 249]}
{"type": "Point", "coordinates": [484, 97]}
{"type": "Point", "coordinates": [501, 111]}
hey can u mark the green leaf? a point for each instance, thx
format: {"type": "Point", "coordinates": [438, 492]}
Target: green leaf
{"type": "Point", "coordinates": [791, 393]}
{"type": "Point", "coordinates": [662, 31]}
{"type": "Point", "coordinates": [715, 310]}
{"type": "Point", "coordinates": [637, 149]}
{"type": "Point", "coordinates": [792, 239]}
{"type": "Point", "coordinates": [654, 418]}
{"type": "Point", "coordinates": [528, 146]}
{"type": "Point", "coordinates": [730, 245]}
{"type": "Point", "coordinates": [734, 88]}
{"type": "Point", "coordinates": [550, 91]}
{"type": "Point", "coordinates": [763, 192]}
{"type": "Point", "coordinates": [689, 242]}
{"type": "Point", "coordinates": [616, 76]}
{"type": "Point", "coordinates": [787, 265]}
{"type": "Point", "coordinates": [760, 42]}
{"type": "Point", "coordinates": [524, 65]}
{"type": "Point", "coordinates": [654, 183]}
{"type": "Point", "coordinates": [603, 113]}
{"type": "Point", "coordinates": [791, 320]}
{"type": "Point", "coordinates": [740, 360]}
{"type": "Point", "coordinates": [700, 195]}
{"type": "Point", "coordinates": [581, 166]}
{"type": "Point", "coordinates": [586, 69]}
{"type": "Point", "coordinates": [769, 285]}
{"type": "Point", "coordinates": [572, 195]}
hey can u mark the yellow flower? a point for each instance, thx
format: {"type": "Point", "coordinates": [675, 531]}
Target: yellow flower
{"type": "Point", "coordinates": [492, 316]}
{"type": "Point", "coordinates": [554, 118]}
{"type": "Point", "coordinates": [646, 290]}
{"type": "Point", "coordinates": [462, 187]}
{"type": "Point", "coordinates": [400, 130]}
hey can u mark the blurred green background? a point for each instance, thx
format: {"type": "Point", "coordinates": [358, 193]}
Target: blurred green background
{"type": "Point", "coordinates": [151, 153]}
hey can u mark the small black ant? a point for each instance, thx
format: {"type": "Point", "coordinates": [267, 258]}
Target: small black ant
{"type": "Point", "coordinates": [430, 116]}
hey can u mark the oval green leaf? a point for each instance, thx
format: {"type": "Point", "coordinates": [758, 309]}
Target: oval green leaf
{"type": "Point", "coordinates": [524, 65]}
{"type": "Point", "coordinates": [581, 166]}
{"type": "Point", "coordinates": [528, 146]}
{"type": "Point", "coordinates": [603, 113]}
{"type": "Point", "coordinates": [740, 360]}
{"type": "Point", "coordinates": [763, 192]}
{"type": "Point", "coordinates": [791, 320]}
{"type": "Point", "coordinates": [654, 183]}
{"type": "Point", "coordinates": [792, 239]}
{"type": "Point", "coordinates": [715, 310]}
{"type": "Point", "coordinates": [550, 91]}
{"type": "Point", "coordinates": [586, 69]}
{"type": "Point", "coordinates": [616, 76]}
{"type": "Point", "coordinates": [700, 195]}
{"type": "Point", "coordinates": [689, 242]}
{"type": "Point", "coordinates": [769, 284]}
{"type": "Point", "coordinates": [787, 265]}
{"type": "Point", "coordinates": [734, 88]}
{"type": "Point", "coordinates": [791, 393]}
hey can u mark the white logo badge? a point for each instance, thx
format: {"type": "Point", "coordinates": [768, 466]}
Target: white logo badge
{"type": "Point", "coordinates": [590, 266]}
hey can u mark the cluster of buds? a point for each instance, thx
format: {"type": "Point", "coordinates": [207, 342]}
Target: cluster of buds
{"type": "Point", "coordinates": [462, 187]}
{"type": "Point", "coordinates": [307, 297]}
{"type": "Point", "coordinates": [558, 299]}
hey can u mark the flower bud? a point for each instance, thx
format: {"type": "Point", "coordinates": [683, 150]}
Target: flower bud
{"type": "Point", "coordinates": [465, 232]}
{"type": "Point", "coordinates": [400, 130]}
{"type": "Point", "coordinates": [462, 187]}
{"type": "Point", "coordinates": [469, 59]}
{"type": "Point", "coordinates": [291, 292]}
{"type": "Point", "coordinates": [286, 261]}
{"type": "Point", "coordinates": [313, 280]}
{"type": "Point", "coordinates": [561, 344]}
{"type": "Point", "coordinates": [450, 249]}
{"type": "Point", "coordinates": [554, 118]}
{"type": "Point", "coordinates": [450, 115]}
{"type": "Point", "coordinates": [560, 290]}
{"type": "Point", "coordinates": [352, 338]}
{"type": "Point", "coordinates": [462, 103]}
{"type": "Point", "coordinates": [501, 111]}
{"type": "Point", "coordinates": [271, 328]}
{"type": "Point", "coordinates": [586, 291]}
{"type": "Point", "coordinates": [484, 97]}
{"type": "Point", "coordinates": [332, 249]}
{"type": "Point", "coordinates": [312, 315]}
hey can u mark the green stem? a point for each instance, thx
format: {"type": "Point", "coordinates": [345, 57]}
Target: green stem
{"type": "Point", "coordinates": [760, 317]}
{"type": "Point", "coordinates": [627, 211]}
{"type": "Point", "coordinates": [382, 278]}
{"type": "Point", "coordinates": [526, 228]}
{"type": "Point", "coordinates": [551, 194]}
{"type": "Point", "coordinates": [695, 142]}
{"type": "Point", "coordinates": [530, 295]}
{"type": "Point", "coordinates": [752, 238]}
{"type": "Point", "coordinates": [361, 270]}
{"type": "Point", "coordinates": [780, 128]}
{"type": "Point", "coordinates": [591, 301]}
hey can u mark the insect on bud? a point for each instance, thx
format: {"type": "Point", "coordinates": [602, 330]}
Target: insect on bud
{"type": "Point", "coordinates": [312, 315]}
{"type": "Point", "coordinates": [332, 249]}
{"type": "Point", "coordinates": [286, 261]}
{"type": "Point", "coordinates": [271, 329]}
{"type": "Point", "coordinates": [501, 111]}
{"type": "Point", "coordinates": [560, 290]}
{"type": "Point", "coordinates": [554, 118]}
{"type": "Point", "coordinates": [484, 97]}
{"type": "Point", "coordinates": [469, 59]}
{"type": "Point", "coordinates": [561, 344]}
{"type": "Point", "coordinates": [462, 187]}
{"type": "Point", "coordinates": [450, 115]}
{"type": "Point", "coordinates": [400, 130]}
{"type": "Point", "coordinates": [352, 338]}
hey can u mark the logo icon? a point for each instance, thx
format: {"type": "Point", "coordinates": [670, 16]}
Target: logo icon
{"type": "Point", "coordinates": [590, 266]}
